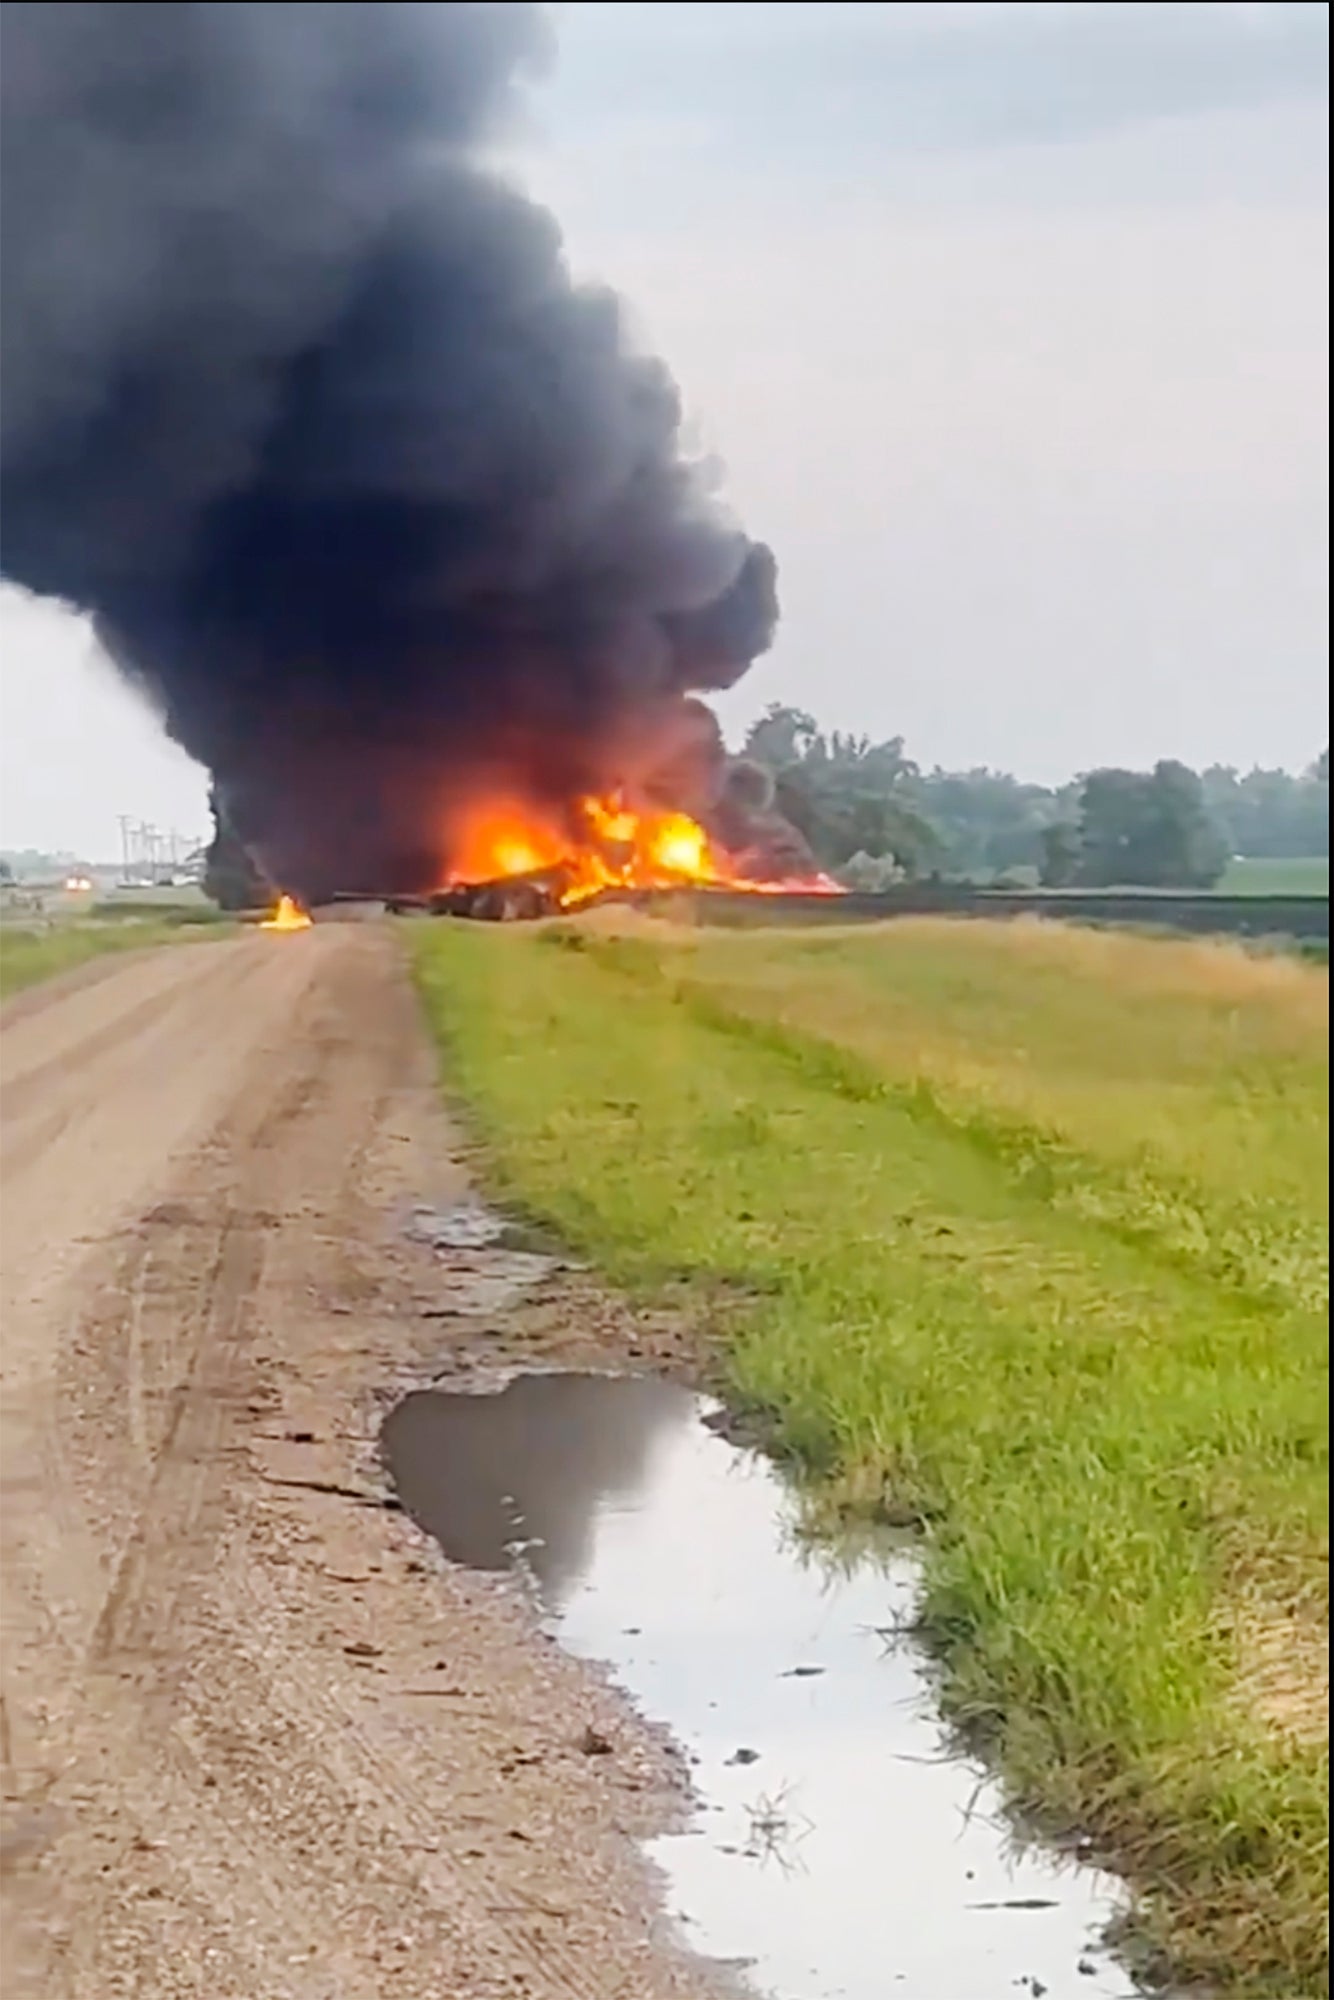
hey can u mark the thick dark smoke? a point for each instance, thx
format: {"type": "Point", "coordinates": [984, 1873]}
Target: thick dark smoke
{"type": "Point", "coordinates": [300, 402]}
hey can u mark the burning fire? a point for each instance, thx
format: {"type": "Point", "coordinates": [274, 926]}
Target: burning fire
{"type": "Point", "coordinates": [608, 845]}
{"type": "Point", "coordinates": [285, 916]}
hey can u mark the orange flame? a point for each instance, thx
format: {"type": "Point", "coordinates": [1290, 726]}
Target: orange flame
{"type": "Point", "coordinates": [285, 916]}
{"type": "Point", "coordinates": [608, 845]}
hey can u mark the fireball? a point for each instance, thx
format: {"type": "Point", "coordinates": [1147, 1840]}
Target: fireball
{"type": "Point", "coordinates": [606, 843]}
{"type": "Point", "coordinates": [286, 915]}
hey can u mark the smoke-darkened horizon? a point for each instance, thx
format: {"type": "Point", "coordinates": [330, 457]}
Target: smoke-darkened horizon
{"type": "Point", "coordinates": [377, 506]}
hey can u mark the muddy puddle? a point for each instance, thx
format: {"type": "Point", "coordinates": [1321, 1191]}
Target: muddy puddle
{"type": "Point", "coordinates": [839, 1851]}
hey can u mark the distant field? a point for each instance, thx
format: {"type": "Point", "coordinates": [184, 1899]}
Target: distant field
{"type": "Point", "coordinates": [1020, 1230]}
{"type": "Point", "coordinates": [1303, 877]}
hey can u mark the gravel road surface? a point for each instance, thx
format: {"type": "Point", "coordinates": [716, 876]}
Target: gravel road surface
{"type": "Point", "coordinates": [258, 1740]}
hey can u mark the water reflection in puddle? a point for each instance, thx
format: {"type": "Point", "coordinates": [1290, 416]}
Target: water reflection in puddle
{"type": "Point", "coordinates": [839, 1850]}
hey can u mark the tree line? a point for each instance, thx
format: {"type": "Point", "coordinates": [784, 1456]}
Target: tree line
{"type": "Point", "coordinates": [874, 815]}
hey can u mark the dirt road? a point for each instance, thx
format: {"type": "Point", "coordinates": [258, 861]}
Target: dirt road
{"type": "Point", "coordinates": [258, 1741]}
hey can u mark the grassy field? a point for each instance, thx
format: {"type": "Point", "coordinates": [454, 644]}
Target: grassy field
{"type": "Point", "coordinates": [28, 954]}
{"type": "Point", "coordinates": [1304, 877]}
{"type": "Point", "coordinates": [1017, 1230]}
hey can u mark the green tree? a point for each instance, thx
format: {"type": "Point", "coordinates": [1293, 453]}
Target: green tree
{"type": "Point", "coordinates": [846, 795]}
{"type": "Point", "coordinates": [1148, 829]}
{"type": "Point", "coordinates": [1271, 814]}
{"type": "Point", "coordinates": [849, 796]}
{"type": "Point", "coordinates": [1061, 855]}
{"type": "Point", "coordinates": [782, 737]}
{"type": "Point", "coordinates": [987, 822]}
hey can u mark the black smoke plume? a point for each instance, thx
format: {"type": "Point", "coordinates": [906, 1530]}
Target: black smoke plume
{"type": "Point", "coordinates": [300, 402]}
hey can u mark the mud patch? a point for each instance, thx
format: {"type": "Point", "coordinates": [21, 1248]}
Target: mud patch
{"type": "Point", "coordinates": [840, 1849]}
{"type": "Point", "coordinates": [465, 1225]}
{"type": "Point", "coordinates": [486, 1266]}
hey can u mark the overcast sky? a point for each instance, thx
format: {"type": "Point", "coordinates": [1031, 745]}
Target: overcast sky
{"type": "Point", "coordinates": [1009, 322]}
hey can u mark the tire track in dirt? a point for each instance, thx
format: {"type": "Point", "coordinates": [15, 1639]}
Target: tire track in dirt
{"type": "Point", "coordinates": [221, 1776]}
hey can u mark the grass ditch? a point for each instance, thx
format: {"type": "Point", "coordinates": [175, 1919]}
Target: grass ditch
{"type": "Point", "coordinates": [28, 955]}
{"type": "Point", "coordinates": [1019, 1231]}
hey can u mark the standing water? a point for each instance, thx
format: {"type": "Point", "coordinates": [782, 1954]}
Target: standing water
{"type": "Point", "coordinates": [842, 1850]}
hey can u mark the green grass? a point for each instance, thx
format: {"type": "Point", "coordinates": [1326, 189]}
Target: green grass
{"type": "Point", "coordinates": [1019, 1229]}
{"type": "Point", "coordinates": [1304, 876]}
{"type": "Point", "coordinates": [28, 955]}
